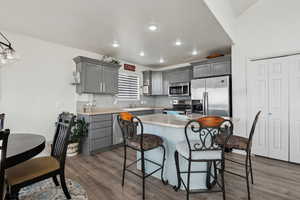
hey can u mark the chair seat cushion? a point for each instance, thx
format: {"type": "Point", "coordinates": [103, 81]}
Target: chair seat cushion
{"type": "Point", "coordinates": [31, 169]}
{"type": "Point", "coordinates": [183, 149]}
{"type": "Point", "coordinates": [149, 141]}
{"type": "Point", "coordinates": [234, 142]}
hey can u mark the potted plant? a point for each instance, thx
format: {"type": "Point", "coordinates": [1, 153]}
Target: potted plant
{"type": "Point", "coordinates": [79, 130]}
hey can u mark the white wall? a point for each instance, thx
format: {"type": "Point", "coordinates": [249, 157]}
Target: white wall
{"type": "Point", "coordinates": [269, 28]}
{"type": "Point", "coordinates": [224, 13]}
{"type": "Point", "coordinates": [36, 88]}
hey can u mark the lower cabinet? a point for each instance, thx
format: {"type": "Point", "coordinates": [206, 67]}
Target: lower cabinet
{"type": "Point", "coordinates": [99, 134]}
{"type": "Point", "coordinates": [101, 131]}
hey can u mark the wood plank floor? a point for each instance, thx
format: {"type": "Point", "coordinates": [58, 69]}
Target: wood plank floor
{"type": "Point", "coordinates": [100, 175]}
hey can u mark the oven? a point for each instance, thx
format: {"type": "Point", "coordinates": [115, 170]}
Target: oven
{"type": "Point", "coordinates": [179, 89]}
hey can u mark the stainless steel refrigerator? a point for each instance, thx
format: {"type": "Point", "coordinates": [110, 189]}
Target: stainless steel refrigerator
{"type": "Point", "coordinates": [214, 94]}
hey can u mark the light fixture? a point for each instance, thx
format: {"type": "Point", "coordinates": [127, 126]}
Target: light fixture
{"type": "Point", "coordinates": [195, 52]}
{"type": "Point", "coordinates": [142, 53]}
{"type": "Point", "coordinates": [7, 53]}
{"type": "Point", "coordinates": [153, 27]}
{"type": "Point", "coordinates": [161, 60]}
{"type": "Point", "coordinates": [115, 44]}
{"type": "Point", "coordinates": [178, 43]}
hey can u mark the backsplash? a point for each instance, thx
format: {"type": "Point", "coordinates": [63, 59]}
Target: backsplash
{"type": "Point", "coordinates": [109, 101]}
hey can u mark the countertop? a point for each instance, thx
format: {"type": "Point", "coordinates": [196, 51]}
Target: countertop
{"type": "Point", "coordinates": [178, 121]}
{"type": "Point", "coordinates": [99, 111]}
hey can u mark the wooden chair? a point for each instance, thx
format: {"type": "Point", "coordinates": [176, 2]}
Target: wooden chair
{"type": "Point", "coordinates": [2, 118]}
{"type": "Point", "coordinates": [200, 146]}
{"type": "Point", "coordinates": [244, 144]}
{"type": "Point", "coordinates": [42, 168]}
{"type": "Point", "coordinates": [3, 148]}
{"type": "Point", "coordinates": [142, 142]}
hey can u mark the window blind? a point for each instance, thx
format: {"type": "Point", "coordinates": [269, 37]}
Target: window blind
{"type": "Point", "coordinates": [128, 86]}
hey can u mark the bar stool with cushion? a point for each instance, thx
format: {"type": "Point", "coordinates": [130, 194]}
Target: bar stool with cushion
{"type": "Point", "coordinates": [244, 144]}
{"type": "Point", "coordinates": [3, 149]}
{"type": "Point", "coordinates": [38, 169]}
{"type": "Point", "coordinates": [141, 142]}
{"type": "Point", "coordinates": [200, 146]}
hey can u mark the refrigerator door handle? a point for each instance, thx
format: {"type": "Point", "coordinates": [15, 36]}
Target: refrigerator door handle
{"type": "Point", "coordinates": [206, 101]}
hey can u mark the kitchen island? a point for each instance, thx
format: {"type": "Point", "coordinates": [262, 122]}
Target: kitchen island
{"type": "Point", "coordinates": [171, 129]}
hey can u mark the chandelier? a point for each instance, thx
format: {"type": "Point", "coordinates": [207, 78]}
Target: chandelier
{"type": "Point", "coordinates": [7, 52]}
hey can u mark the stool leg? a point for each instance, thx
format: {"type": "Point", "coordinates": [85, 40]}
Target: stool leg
{"type": "Point", "coordinates": [143, 172]}
{"type": "Point", "coordinates": [251, 172]}
{"type": "Point", "coordinates": [163, 165]}
{"type": "Point", "coordinates": [247, 177]}
{"type": "Point", "coordinates": [222, 176]}
{"type": "Point", "coordinates": [188, 180]}
{"type": "Point", "coordinates": [176, 188]}
{"type": "Point", "coordinates": [124, 165]}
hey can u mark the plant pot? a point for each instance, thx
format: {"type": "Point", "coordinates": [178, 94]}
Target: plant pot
{"type": "Point", "coordinates": [73, 149]}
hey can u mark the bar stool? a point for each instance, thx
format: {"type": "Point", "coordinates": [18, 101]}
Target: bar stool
{"type": "Point", "coordinates": [141, 142]}
{"type": "Point", "coordinates": [244, 144]}
{"type": "Point", "coordinates": [200, 146]}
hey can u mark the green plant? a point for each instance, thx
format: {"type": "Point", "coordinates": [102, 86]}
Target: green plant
{"type": "Point", "coordinates": [79, 130]}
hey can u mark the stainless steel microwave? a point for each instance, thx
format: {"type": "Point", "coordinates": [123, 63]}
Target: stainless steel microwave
{"type": "Point", "coordinates": [179, 89]}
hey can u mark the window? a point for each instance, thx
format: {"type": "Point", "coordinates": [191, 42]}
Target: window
{"type": "Point", "coordinates": [128, 87]}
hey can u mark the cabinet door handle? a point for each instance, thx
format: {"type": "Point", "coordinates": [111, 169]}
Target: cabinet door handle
{"type": "Point", "coordinates": [104, 88]}
{"type": "Point", "coordinates": [101, 87]}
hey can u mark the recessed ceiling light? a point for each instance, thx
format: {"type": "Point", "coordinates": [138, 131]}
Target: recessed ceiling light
{"type": "Point", "coordinates": [142, 53]}
{"type": "Point", "coordinates": [195, 52]}
{"type": "Point", "coordinates": [161, 60]}
{"type": "Point", "coordinates": [153, 27]}
{"type": "Point", "coordinates": [115, 44]}
{"type": "Point", "coordinates": [178, 43]}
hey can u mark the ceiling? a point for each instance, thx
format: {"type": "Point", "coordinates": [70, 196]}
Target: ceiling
{"type": "Point", "coordinates": [240, 6]}
{"type": "Point", "coordinates": [93, 25]}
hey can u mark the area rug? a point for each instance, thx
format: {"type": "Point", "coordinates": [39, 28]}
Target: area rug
{"type": "Point", "coordinates": [46, 190]}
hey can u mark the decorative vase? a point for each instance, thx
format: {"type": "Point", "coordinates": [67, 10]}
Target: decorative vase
{"type": "Point", "coordinates": [73, 149]}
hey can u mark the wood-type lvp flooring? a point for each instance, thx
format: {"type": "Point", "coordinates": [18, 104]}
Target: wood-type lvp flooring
{"type": "Point", "coordinates": [100, 175]}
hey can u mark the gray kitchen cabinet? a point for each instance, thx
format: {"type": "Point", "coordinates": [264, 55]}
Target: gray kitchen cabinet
{"type": "Point", "coordinates": [221, 68]}
{"type": "Point", "coordinates": [96, 77]}
{"type": "Point", "coordinates": [109, 80]}
{"type": "Point", "coordinates": [99, 133]}
{"type": "Point", "coordinates": [90, 78]}
{"type": "Point", "coordinates": [202, 71]}
{"type": "Point", "coordinates": [179, 75]}
{"type": "Point", "coordinates": [212, 67]}
{"type": "Point", "coordinates": [157, 83]}
{"type": "Point", "coordinates": [147, 77]}
{"type": "Point", "coordinates": [165, 83]}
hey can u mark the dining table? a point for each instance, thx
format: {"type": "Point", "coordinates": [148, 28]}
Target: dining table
{"type": "Point", "coordinates": [22, 147]}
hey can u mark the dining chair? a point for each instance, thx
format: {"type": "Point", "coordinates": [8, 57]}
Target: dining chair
{"type": "Point", "coordinates": [244, 144]}
{"type": "Point", "coordinates": [200, 146]}
{"type": "Point", "coordinates": [41, 168]}
{"type": "Point", "coordinates": [142, 143]}
{"type": "Point", "coordinates": [3, 149]}
{"type": "Point", "coordinates": [2, 118]}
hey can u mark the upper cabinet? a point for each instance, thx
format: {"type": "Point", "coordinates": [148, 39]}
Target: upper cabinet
{"type": "Point", "coordinates": [212, 67]}
{"type": "Point", "coordinates": [96, 77]}
{"type": "Point", "coordinates": [157, 82]}
{"type": "Point", "coordinates": [179, 75]}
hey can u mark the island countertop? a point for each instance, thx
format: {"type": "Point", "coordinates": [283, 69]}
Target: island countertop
{"type": "Point", "coordinates": [175, 121]}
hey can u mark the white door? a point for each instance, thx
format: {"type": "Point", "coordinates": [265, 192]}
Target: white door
{"type": "Point", "coordinates": [257, 85]}
{"type": "Point", "coordinates": [278, 109]}
{"type": "Point", "coordinates": [295, 109]}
